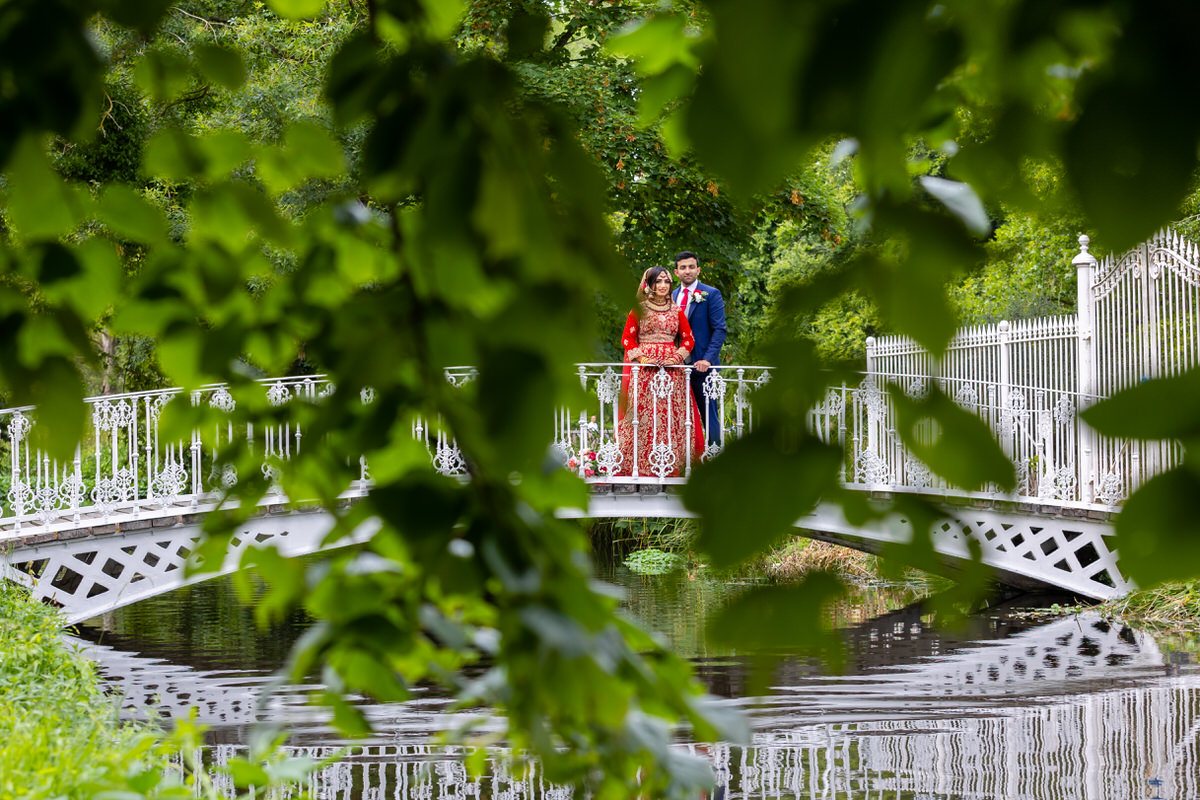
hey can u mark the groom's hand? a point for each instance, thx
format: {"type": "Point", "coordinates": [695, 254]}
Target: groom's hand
{"type": "Point", "coordinates": [702, 365]}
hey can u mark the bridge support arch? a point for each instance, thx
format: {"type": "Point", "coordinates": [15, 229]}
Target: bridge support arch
{"type": "Point", "coordinates": [91, 571]}
{"type": "Point", "coordinates": [1030, 548]}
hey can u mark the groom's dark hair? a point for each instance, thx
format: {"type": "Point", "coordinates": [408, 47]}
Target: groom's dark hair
{"type": "Point", "coordinates": [687, 254]}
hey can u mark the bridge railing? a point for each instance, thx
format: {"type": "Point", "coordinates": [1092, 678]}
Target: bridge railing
{"type": "Point", "coordinates": [127, 467]}
{"type": "Point", "coordinates": [635, 429]}
{"type": "Point", "coordinates": [1039, 430]}
{"type": "Point", "coordinates": [634, 426]}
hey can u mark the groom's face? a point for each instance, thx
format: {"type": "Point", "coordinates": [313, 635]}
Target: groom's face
{"type": "Point", "coordinates": [687, 270]}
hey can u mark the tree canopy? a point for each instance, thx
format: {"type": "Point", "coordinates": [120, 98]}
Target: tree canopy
{"type": "Point", "coordinates": [379, 190]}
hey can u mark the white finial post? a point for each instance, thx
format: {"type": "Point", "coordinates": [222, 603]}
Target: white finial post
{"type": "Point", "coordinates": [1085, 265]}
{"type": "Point", "coordinates": [1004, 350]}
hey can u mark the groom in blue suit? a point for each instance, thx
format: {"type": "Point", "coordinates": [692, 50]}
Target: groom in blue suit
{"type": "Point", "coordinates": [705, 309]}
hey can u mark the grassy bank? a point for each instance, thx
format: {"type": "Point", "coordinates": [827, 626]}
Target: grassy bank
{"type": "Point", "coordinates": [789, 560]}
{"type": "Point", "coordinates": [59, 733]}
{"type": "Point", "coordinates": [1172, 606]}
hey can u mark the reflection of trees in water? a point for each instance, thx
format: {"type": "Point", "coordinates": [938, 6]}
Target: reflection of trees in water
{"type": "Point", "coordinates": [678, 604]}
{"type": "Point", "coordinates": [205, 625]}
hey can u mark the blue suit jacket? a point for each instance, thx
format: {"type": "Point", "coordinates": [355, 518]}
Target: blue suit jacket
{"type": "Point", "coordinates": [708, 323]}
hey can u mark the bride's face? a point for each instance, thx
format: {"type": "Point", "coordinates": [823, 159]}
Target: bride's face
{"type": "Point", "coordinates": [662, 284]}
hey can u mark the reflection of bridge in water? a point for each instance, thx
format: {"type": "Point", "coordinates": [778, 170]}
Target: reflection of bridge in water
{"type": "Point", "coordinates": [1076, 708]}
{"type": "Point", "coordinates": [119, 522]}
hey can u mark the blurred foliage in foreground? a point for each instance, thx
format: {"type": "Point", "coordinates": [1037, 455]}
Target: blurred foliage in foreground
{"type": "Point", "coordinates": [379, 190]}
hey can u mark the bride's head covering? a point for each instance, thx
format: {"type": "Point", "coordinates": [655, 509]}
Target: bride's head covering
{"type": "Point", "coordinates": [647, 285]}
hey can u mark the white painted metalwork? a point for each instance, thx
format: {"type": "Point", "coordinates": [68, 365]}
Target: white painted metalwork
{"type": "Point", "coordinates": [96, 570]}
{"type": "Point", "coordinates": [1029, 546]}
{"type": "Point", "coordinates": [1137, 319]}
{"type": "Point", "coordinates": [138, 478]}
{"type": "Point", "coordinates": [593, 444]}
{"type": "Point", "coordinates": [127, 469]}
{"type": "Point", "coordinates": [1027, 380]}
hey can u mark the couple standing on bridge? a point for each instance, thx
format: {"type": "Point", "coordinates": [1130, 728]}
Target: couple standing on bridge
{"type": "Point", "coordinates": [669, 328]}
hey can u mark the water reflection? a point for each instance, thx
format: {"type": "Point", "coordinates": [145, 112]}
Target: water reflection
{"type": "Point", "coordinates": [1070, 708]}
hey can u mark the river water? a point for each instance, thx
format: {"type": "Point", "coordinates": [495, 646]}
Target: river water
{"type": "Point", "coordinates": [1014, 706]}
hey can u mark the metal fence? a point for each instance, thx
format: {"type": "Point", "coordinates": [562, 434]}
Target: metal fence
{"type": "Point", "coordinates": [1137, 320]}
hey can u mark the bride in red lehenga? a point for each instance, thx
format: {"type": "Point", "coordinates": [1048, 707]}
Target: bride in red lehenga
{"type": "Point", "coordinates": [653, 430]}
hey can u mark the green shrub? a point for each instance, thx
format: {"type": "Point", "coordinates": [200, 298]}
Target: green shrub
{"type": "Point", "coordinates": [59, 733]}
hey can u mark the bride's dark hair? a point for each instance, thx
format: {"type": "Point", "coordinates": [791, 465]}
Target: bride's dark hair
{"type": "Point", "coordinates": [646, 287]}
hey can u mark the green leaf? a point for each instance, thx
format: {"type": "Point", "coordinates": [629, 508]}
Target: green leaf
{"type": "Point", "coordinates": [1163, 408]}
{"type": "Point", "coordinates": [57, 265]}
{"type": "Point", "coordinates": [57, 390]}
{"type": "Point", "coordinates": [163, 74]}
{"type": "Point", "coordinates": [221, 65]}
{"type": "Point", "coordinates": [740, 517]}
{"type": "Point", "coordinates": [180, 349]}
{"type": "Point", "coordinates": [276, 170]}
{"type": "Point", "coordinates": [51, 71]}
{"type": "Point", "coordinates": [498, 217]}
{"type": "Point", "coordinates": [515, 418]}
{"type": "Point", "coordinates": [347, 718]}
{"type": "Point", "coordinates": [1158, 529]}
{"type": "Point", "coordinates": [222, 151]}
{"type": "Point", "coordinates": [129, 215]}
{"type": "Point", "coordinates": [297, 9]}
{"type": "Point", "coordinates": [99, 286]}
{"type": "Point", "coordinates": [953, 442]}
{"type": "Point", "coordinates": [365, 672]}
{"type": "Point", "coordinates": [862, 58]}
{"type": "Point", "coordinates": [292, 770]}
{"type": "Point", "coordinates": [246, 774]}
{"type": "Point", "coordinates": [312, 151]}
{"type": "Point", "coordinates": [39, 204]}
{"type": "Point", "coordinates": [284, 577]}
{"type": "Point", "coordinates": [351, 79]}
{"type": "Point", "coordinates": [961, 201]}
{"type": "Point", "coordinates": [655, 44]}
{"type": "Point", "coordinates": [42, 338]}
{"type": "Point", "coordinates": [526, 33]}
{"type": "Point", "coordinates": [144, 15]}
{"type": "Point", "coordinates": [925, 251]}
{"type": "Point", "coordinates": [765, 619]}
{"type": "Point", "coordinates": [556, 631]}
{"type": "Point", "coordinates": [443, 16]}
{"type": "Point", "coordinates": [1129, 169]}
{"type": "Point", "coordinates": [173, 155]}
{"type": "Point", "coordinates": [661, 91]}
{"type": "Point", "coordinates": [741, 118]}
{"type": "Point", "coordinates": [235, 215]}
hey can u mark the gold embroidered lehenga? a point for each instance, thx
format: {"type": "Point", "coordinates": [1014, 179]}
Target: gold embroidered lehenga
{"type": "Point", "coordinates": [653, 429]}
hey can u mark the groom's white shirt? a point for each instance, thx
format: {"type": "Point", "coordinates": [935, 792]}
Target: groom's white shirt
{"type": "Point", "coordinates": [687, 309]}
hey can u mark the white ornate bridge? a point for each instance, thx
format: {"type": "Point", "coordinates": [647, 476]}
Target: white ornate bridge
{"type": "Point", "coordinates": [119, 522]}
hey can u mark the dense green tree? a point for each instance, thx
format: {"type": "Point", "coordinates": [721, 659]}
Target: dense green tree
{"type": "Point", "coordinates": [441, 204]}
